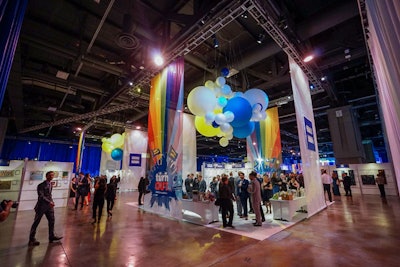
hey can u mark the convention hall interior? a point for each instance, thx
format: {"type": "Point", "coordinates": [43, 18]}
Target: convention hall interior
{"type": "Point", "coordinates": [76, 74]}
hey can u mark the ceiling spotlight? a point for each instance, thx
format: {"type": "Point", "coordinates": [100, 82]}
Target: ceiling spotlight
{"type": "Point", "coordinates": [215, 41]}
{"type": "Point", "coordinates": [260, 38]}
{"type": "Point", "coordinates": [312, 86]}
{"type": "Point", "coordinates": [130, 83]}
{"type": "Point", "coordinates": [158, 60]}
{"type": "Point", "coordinates": [323, 78]}
{"type": "Point", "coordinates": [244, 15]}
{"type": "Point", "coordinates": [308, 58]}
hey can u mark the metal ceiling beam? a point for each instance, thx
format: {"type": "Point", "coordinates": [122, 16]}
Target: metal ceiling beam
{"type": "Point", "coordinates": [260, 14]}
{"type": "Point", "coordinates": [81, 117]}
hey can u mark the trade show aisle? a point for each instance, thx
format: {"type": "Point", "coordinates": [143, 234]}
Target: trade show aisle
{"type": "Point", "coordinates": [357, 231]}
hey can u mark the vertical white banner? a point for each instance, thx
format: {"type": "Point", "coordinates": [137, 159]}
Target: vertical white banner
{"type": "Point", "coordinates": [134, 161]}
{"type": "Point", "coordinates": [189, 164]}
{"type": "Point", "coordinates": [307, 139]}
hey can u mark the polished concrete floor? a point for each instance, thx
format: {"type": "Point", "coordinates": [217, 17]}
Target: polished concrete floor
{"type": "Point", "coordinates": [357, 231]}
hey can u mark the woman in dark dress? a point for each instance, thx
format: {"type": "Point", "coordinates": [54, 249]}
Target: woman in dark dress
{"type": "Point", "coordinates": [267, 193]}
{"type": "Point", "coordinates": [98, 200]}
{"type": "Point", "coordinates": [72, 189]}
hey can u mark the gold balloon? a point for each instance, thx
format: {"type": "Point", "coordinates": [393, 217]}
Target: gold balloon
{"type": "Point", "coordinates": [107, 147]}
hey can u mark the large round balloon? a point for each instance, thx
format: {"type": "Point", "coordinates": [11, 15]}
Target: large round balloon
{"type": "Point", "coordinates": [201, 100]}
{"type": "Point", "coordinates": [223, 142]}
{"type": "Point", "coordinates": [204, 128]}
{"type": "Point", "coordinates": [244, 131]}
{"type": "Point", "coordinates": [241, 110]}
{"type": "Point", "coordinates": [257, 97]}
{"type": "Point", "coordinates": [117, 140]}
{"type": "Point", "coordinates": [117, 154]}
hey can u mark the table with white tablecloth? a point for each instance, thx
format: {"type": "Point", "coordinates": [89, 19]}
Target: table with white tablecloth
{"type": "Point", "coordinates": [286, 209]}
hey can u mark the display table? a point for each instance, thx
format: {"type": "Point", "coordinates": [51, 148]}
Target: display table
{"type": "Point", "coordinates": [199, 212]}
{"type": "Point", "coordinates": [286, 209]}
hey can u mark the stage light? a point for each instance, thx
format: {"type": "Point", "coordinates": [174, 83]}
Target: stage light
{"type": "Point", "coordinates": [158, 60]}
{"type": "Point", "coordinates": [215, 41]}
{"type": "Point", "coordinates": [260, 38]}
{"type": "Point", "coordinates": [308, 58]}
{"type": "Point", "coordinates": [130, 83]}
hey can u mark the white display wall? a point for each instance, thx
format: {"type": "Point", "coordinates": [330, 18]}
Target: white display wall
{"type": "Point", "coordinates": [189, 155]}
{"type": "Point", "coordinates": [209, 170]}
{"type": "Point", "coordinates": [10, 180]}
{"type": "Point", "coordinates": [34, 174]}
{"type": "Point", "coordinates": [364, 175]}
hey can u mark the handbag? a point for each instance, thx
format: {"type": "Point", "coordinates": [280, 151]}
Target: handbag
{"type": "Point", "coordinates": [217, 202]}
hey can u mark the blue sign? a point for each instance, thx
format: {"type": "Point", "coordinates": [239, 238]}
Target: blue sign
{"type": "Point", "coordinates": [135, 160]}
{"type": "Point", "coordinates": [309, 134]}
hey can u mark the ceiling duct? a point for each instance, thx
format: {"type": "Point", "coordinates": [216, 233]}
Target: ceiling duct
{"type": "Point", "coordinates": [126, 39]}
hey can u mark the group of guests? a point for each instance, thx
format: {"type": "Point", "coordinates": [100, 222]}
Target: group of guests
{"type": "Point", "coordinates": [194, 183]}
{"type": "Point", "coordinates": [82, 185]}
{"type": "Point", "coordinates": [248, 194]}
{"type": "Point", "coordinates": [332, 183]}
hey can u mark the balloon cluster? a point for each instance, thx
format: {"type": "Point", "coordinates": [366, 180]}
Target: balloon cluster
{"type": "Point", "coordinates": [221, 112]}
{"type": "Point", "coordinates": [113, 145]}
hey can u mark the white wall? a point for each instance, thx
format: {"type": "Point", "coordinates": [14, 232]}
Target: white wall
{"type": "Point", "coordinates": [11, 175]}
{"type": "Point", "coordinates": [64, 174]}
{"type": "Point", "coordinates": [368, 169]}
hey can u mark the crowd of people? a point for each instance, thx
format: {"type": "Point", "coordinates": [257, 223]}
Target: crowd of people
{"type": "Point", "coordinates": [249, 194]}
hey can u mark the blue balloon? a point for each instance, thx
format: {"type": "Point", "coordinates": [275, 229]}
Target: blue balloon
{"type": "Point", "coordinates": [244, 131]}
{"type": "Point", "coordinates": [215, 125]}
{"type": "Point", "coordinates": [242, 110]}
{"type": "Point", "coordinates": [116, 154]}
{"type": "Point", "coordinates": [224, 72]}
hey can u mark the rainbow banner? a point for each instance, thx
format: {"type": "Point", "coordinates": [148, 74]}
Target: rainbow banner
{"type": "Point", "coordinates": [165, 135]}
{"type": "Point", "coordinates": [264, 144]}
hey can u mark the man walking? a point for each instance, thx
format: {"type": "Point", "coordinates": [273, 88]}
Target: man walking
{"type": "Point", "coordinates": [44, 206]}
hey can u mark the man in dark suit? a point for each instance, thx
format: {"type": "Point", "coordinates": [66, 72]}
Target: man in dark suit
{"type": "Point", "coordinates": [44, 206]}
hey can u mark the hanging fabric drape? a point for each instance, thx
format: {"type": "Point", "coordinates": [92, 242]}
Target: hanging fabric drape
{"type": "Point", "coordinates": [384, 28]}
{"type": "Point", "coordinates": [11, 17]}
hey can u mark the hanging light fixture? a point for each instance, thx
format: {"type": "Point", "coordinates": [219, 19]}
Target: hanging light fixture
{"type": "Point", "coordinates": [215, 41]}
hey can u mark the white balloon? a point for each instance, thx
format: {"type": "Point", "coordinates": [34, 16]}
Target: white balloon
{"type": "Point", "coordinates": [223, 142]}
{"type": "Point", "coordinates": [257, 96]}
{"type": "Point", "coordinates": [229, 116]}
{"type": "Point", "coordinates": [220, 118]}
{"type": "Point", "coordinates": [220, 81]}
{"type": "Point", "coordinates": [201, 100]}
{"type": "Point", "coordinates": [210, 117]}
{"type": "Point", "coordinates": [226, 128]}
{"type": "Point", "coordinates": [209, 84]}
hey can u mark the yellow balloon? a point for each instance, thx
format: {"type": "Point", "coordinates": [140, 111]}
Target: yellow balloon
{"type": "Point", "coordinates": [217, 110]}
{"type": "Point", "coordinates": [205, 129]}
{"type": "Point", "coordinates": [107, 147]}
{"type": "Point", "coordinates": [117, 140]}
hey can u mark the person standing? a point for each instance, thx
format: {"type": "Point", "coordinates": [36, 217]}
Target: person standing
{"type": "Point", "coordinates": [346, 184]}
{"type": "Point", "coordinates": [142, 188]}
{"type": "Point", "coordinates": [189, 186]}
{"type": "Point", "coordinates": [72, 190]}
{"type": "Point", "coordinates": [111, 193]}
{"type": "Point", "coordinates": [82, 190]}
{"type": "Point", "coordinates": [202, 184]}
{"type": "Point", "coordinates": [267, 192]}
{"type": "Point", "coordinates": [255, 190]}
{"type": "Point", "coordinates": [100, 188]}
{"type": "Point", "coordinates": [243, 184]}
{"type": "Point", "coordinates": [380, 180]}
{"type": "Point", "coordinates": [327, 181]}
{"type": "Point", "coordinates": [5, 210]}
{"type": "Point", "coordinates": [226, 197]}
{"type": "Point", "coordinates": [44, 206]}
{"type": "Point", "coordinates": [335, 183]}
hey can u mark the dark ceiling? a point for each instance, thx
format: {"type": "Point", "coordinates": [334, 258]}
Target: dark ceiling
{"type": "Point", "coordinates": [102, 46]}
